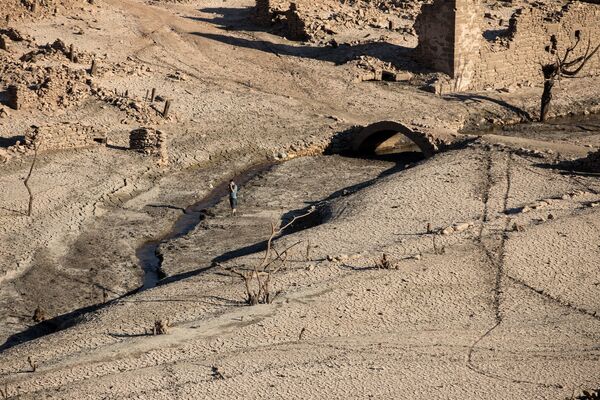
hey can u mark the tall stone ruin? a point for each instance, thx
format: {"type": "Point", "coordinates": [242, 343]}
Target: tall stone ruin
{"type": "Point", "coordinates": [449, 38]}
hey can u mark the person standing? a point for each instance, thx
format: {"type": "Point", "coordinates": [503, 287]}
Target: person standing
{"type": "Point", "coordinates": [233, 191]}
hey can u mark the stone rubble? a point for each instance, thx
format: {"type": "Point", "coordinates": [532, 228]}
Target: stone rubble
{"type": "Point", "coordinates": [147, 140]}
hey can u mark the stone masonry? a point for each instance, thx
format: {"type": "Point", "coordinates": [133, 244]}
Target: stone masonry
{"type": "Point", "coordinates": [146, 140]}
{"type": "Point", "coordinates": [451, 41]}
{"type": "Point", "coordinates": [19, 97]}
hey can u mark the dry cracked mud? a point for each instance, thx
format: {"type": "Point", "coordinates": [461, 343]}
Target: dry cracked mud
{"type": "Point", "coordinates": [491, 284]}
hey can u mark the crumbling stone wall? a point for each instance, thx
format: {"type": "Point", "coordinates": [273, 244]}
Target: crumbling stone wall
{"type": "Point", "coordinates": [266, 13]}
{"type": "Point", "coordinates": [467, 36]}
{"type": "Point", "coordinates": [62, 136]}
{"type": "Point", "coordinates": [146, 140]}
{"type": "Point", "coordinates": [451, 40]}
{"type": "Point", "coordinates": [19, 97]}
{"type": "Point", "coordinates": [515, 58]}
{"type": "Point", "coordinates": [435, 28]}
{"type": "Point", "coordinates": [52, 137]}
{"type": "Point", "coordinates": [449, 34]}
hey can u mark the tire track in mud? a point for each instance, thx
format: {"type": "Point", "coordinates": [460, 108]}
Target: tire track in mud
{"type": "Point", "coordinates": [496, 260]}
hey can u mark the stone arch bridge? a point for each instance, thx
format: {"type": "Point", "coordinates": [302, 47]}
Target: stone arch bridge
{"type": "Point", "coordinates": [391, 133]}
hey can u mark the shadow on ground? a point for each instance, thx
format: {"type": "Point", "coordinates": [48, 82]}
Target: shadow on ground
{"type": "Point", "coordinates": [399, 56]}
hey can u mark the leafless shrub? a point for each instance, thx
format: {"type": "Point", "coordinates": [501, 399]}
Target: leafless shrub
{"type": "Point", "coordinates": [161, 327]}
{"type": "Point", "coordinates": [258, 280]}
{"type": "Point", "coordinates": [589, 395]}
{"type": "Point", "coordinates": [385, 263]}
{"type": "Point", "coordinates": [563, 67]}
{"type": "Point", "coordinates": [216, 374]}
{"type": "Point", "coordinates": [39, 314]}
{"type": "Point", "coordinates": [4, 392]}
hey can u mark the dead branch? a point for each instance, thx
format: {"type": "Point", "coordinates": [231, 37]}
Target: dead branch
{"type": "Point", "coordinates": [301, 333]}
{"type": "Point", "coordinates": [275, 232]}
{"type": "Point", "coordinates": [252, 279]}
{"type": "Point", "coordinates": [284, 254]}
{"type": "Point", "coordinates": [32, 364]}
{"type": "Point", "coordinates": [36, 146]}
{"type": "Point", "coordinates": [562, 68]}
{"type": "Point", "coordinates": [4, 392]}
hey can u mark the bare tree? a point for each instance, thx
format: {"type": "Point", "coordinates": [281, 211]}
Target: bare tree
{"type": "Point", "coordinates": [36, 146]}
{"type": "Point", "coordinates": [258, 280]}
{"type": "Point", "coordinates": [563, 67]}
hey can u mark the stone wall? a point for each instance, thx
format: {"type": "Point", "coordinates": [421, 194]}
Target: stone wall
{"type": "Point", "coordinates": [267, 12]}
{"type": "Point", "coordinates": [146, 140]}
{"type": "Point", "coordinates": [468, 36]}
{"type": "Point", "coordinates": [19, 97]}
{"type": "Point", "coordinates": [263, 12]}
{"type": "Point", "coordinates": [451, 41]}
{"type": "Point", "coordinates": [515, 58]}
{"type": "Point", "coordinates": [52, 137]}
{"type": "Point", "coordinates": [435, 28]}
{"type": "Point", "coordinates": [62, 136]}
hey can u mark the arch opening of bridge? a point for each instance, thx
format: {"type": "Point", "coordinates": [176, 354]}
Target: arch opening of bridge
{"type": "Point", "coordinates": [391, 137]}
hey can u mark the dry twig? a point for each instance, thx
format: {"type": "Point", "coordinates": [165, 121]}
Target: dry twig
{"type": "Point", "coordinates": [258, 280]}
{"type": "Point", "coordinates": [36, 146]}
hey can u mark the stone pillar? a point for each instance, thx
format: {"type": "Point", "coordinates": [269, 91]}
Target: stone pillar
{"type": "Point", "coordinates": [450, 34]}
{"type": "Point", "coordinates": [467, 41]}
{"type": "Point", "coordinates": [14, 93]}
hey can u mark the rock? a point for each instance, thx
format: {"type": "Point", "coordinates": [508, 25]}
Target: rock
{"type": "Point", "coordinates": [461, 227]}
{"type": "Point", "coordinates": [403, 76]}
{"type": "Point", "coordinates": [447, 231]}
{"type": "Point", "coordinates": [281, 155]}
{"type": "Point", "coordinates": [39, 315]}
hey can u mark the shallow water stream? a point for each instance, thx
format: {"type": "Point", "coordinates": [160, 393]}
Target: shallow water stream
{"type": "Point", "coordinates": [268, 189]}
{"type": "Point", "coordinates": [148, 256]}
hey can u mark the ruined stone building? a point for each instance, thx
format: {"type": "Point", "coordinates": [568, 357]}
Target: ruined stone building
{"type": "Point", "coordinates": [452, 41]}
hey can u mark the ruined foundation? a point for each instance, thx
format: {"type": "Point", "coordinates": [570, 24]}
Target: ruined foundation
{"type": "Point", "coordinates": [147, 141]}
{"type": "Point", "coordinates": [20, 97]}
{"type": "Point", "coordinates": [451, 41]}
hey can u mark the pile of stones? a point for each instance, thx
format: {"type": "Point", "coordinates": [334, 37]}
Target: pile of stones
{"type": "Point", "coordinates": [146, 140]}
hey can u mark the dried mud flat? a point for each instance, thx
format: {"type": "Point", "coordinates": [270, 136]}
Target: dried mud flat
{"type": "Point", "coordinates": [493, 283]}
